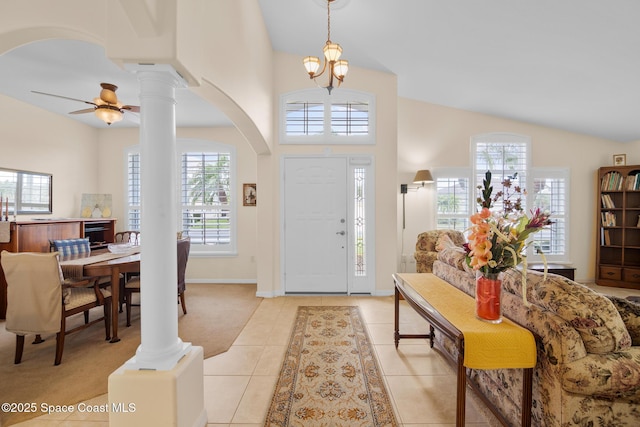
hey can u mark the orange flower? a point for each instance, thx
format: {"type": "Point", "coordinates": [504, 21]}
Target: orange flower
{"type": "Point", "coordinates": [481, 253]}
{"type": "Point", "coordinates": [480, 231]}
{"type": "Point", "coordinates": [479, 217]}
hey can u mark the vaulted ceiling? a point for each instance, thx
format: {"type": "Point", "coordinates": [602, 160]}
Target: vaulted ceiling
{"type": "Point", "coordinates": [571, 64]}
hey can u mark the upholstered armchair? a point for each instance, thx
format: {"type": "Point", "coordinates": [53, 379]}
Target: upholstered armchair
{"type": "Point", "coordinates": [427, 247]}
{"type": "Point", "coordinates": [39, 299]}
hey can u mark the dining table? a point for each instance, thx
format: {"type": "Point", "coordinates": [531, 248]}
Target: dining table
{"type": "Point", "coordinates": [104, 263]}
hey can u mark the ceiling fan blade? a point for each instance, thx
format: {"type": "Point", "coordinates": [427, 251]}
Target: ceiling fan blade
{"type": "Point", "coordinates": [131, 117]}
{"type": "Point", "coordinates": [63, 97]}
{"type": "Point", "coordinates": [86, 110]}
{"type": "Point", "coordinates": [132, 108]}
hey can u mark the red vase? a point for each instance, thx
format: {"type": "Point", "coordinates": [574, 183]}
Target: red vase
{"type": "Point", "coordinates": [488, 292]}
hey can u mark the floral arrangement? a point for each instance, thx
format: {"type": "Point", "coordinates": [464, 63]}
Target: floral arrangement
{"type": "Point", "coordinates": [498, 239]}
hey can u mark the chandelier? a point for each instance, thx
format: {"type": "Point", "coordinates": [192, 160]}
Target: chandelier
{"type": "Point", "coordinates": [337, 68]}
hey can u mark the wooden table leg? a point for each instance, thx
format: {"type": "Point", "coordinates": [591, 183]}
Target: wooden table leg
{"type": "Point", "coordinates": [115, 299]}
{"type": "Point", "coordinates": [396, 317]}
{"type": "Point", "coordinates": [461, 392]}
{"type": "Point", "coordinates": [527, 396]}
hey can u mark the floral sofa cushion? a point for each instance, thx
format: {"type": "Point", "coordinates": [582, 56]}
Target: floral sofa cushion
{"type": "Point", "coordinates": [428, 242]}
{"type": "Point", "coordinates": [630, 313]}
{"type": "Point", "coordinates": [612, 376]}
{"type": "Point", "coordinates": [591, 314]}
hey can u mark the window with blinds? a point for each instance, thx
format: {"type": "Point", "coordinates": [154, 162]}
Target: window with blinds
{"type": "Point", "coordinates": [304, 118]}
{"type": "Point", "coordinates": [550, 193]}
{"type": "Point", "coordinates": [133, 191]}
{"type": "Point", "coordinates": [452, 203]}
{"type": "Point", "coordinates": [313, 117]}
{"type": "Point", "coordinates": [206, 174]}
{"type": "Point", "coordinates": [508, 156]}
{"type": "Point", "coordinates": [350, 118]}
{"type": "Point", "coordinates": [206, 197]}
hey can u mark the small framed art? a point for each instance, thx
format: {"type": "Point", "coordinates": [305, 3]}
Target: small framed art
{"type": "Point", "coordinates": [619, 159]}
{"type": "Point", "coordinates": [249, 194]}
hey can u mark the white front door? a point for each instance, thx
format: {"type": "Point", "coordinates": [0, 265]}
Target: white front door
{"type": "Point", "coordinates": [315, 225]}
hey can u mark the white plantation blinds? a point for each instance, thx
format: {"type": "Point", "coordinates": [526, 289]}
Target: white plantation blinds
{"type": "Point", "coordinates": [313, 117]}
{"type": "Point", "coordinates": [206, 197]}
{"type": "Point", "coordinates": [506, 156]}
{"type": "Point", "coordinates": [452, 203]}
{"type": "Point", "coordinates": [304, 118]}
{"type": "Point", "coordinates": [207, 210]}
{"type": "Point", "coordinates": [550, 193]}
{"type": "Point", "coordinates": [350, 118]}
{"type": "Point", "coordinates": [133, 191]}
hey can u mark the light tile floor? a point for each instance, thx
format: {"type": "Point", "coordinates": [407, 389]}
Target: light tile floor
{"type": "Point", "coordinates": [238, 384]}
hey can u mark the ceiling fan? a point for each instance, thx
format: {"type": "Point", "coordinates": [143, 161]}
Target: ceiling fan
{"type": "Point", "coordinates": [106, 107]}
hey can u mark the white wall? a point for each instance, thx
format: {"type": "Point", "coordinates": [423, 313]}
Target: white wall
{"type": "Point", "coordinates": [36, 140]}
{"type": "Point", "coordinates": [432, 136]}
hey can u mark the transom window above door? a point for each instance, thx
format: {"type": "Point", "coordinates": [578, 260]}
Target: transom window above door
{"type": "Point", "coordinates": [315, 117]}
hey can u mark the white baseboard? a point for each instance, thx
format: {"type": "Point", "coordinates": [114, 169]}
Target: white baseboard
{"type": "Point", "coordinates": [223, 281]}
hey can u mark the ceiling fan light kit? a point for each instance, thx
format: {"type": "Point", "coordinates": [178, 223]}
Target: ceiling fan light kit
{"type": "Point", "coordinates": [106, 107]}
{"type": "Point", "coordinates": [336, 67]}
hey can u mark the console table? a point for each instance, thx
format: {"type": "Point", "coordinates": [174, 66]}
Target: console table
{"type": "Point", "coordinates": [451, 312]}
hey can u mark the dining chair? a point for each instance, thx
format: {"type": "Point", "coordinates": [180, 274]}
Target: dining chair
{"type": "Point", "coordinates": [133, 237]}
{"type": "Point", "coordinates": [128, 236]}
{"type": "Point", "coordinates": [39, 299]}
{"type": "Point", "coordinates": [133, 285]}
{"type": "Point", "coordinates": [78, 247]}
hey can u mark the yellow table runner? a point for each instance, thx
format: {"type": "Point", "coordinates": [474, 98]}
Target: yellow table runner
{"type": "Point", "coordinates": [486, 345]}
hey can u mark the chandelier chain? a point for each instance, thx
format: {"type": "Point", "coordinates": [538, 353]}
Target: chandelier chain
{"type": "Point", "coordinates": [329, 21]}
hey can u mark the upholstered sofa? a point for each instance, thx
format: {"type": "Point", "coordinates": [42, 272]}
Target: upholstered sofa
{"type": "Point", "coordinates": [427, 247]}
{"type": "Point", "coordinates": [588, 359]}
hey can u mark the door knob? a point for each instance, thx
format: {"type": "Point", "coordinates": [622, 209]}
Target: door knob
{"type": "Point", "coordinates": [342, 233]}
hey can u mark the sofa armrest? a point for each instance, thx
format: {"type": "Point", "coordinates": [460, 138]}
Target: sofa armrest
{"type": "Point", "coordinates": [630, 313]}
{"type": "Point", "coordinates": [615, 375]}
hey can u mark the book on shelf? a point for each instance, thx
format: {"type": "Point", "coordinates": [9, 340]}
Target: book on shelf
{"type": "Point", "coordinates": [605, 238]}
{"type": "Point", "coordinates": [632, 182]}
{"type": "Point", "coordinates": [607, 202]}
{"type": "Point", "coordinates": [608, 219]}
{"type": "Point", "coordinates": [611, 181]}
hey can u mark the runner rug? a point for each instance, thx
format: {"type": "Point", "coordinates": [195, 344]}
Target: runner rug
{"type": "Point", "coordinates": [330, 376]}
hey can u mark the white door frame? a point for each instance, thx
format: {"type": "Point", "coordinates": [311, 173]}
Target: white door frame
{"type": "Point", "coordinates": [357, 283]}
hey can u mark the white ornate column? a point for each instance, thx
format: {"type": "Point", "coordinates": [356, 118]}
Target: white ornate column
{"type": "Point", "coordinates": [164, 380]}
{"type": "Point", "coordinates": [160, 346]}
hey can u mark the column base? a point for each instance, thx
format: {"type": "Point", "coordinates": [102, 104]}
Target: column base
{"type": "Point", "coordinates": [159, 398]}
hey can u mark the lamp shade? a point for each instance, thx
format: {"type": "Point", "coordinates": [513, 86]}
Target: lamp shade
{"type": "Point", "coordinates": [108, 114]}
{"type": "Point", "coordinates": [423, 176]}
{"type": "Point", "coordinates": [341, 68]}
{"type": "Point", "coordinates": [332, 51]}
{"type": "Point", "coordinates": [311, 63]}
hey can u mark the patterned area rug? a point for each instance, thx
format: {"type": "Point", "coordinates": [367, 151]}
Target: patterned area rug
{"type": "Point", "coordinates": [330, 376]}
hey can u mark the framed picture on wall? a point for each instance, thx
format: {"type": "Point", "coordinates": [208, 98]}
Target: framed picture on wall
{"type": "Point", "coordinates": [619, 159]}
{"type": "Point", "coordinates": [249, 194]}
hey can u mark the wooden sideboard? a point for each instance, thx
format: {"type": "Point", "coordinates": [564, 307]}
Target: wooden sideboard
{"type": "Point", "coordinates": [34, 236]}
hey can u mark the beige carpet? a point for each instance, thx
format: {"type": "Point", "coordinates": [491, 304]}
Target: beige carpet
{"type": "Point", "coordinates": [330, 376]}
{"type": "Point", "coordinates": [216, 316]}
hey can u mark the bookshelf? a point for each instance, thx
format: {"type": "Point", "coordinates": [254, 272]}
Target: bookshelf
{"type": "Point", "coordinates": [618, 246]}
